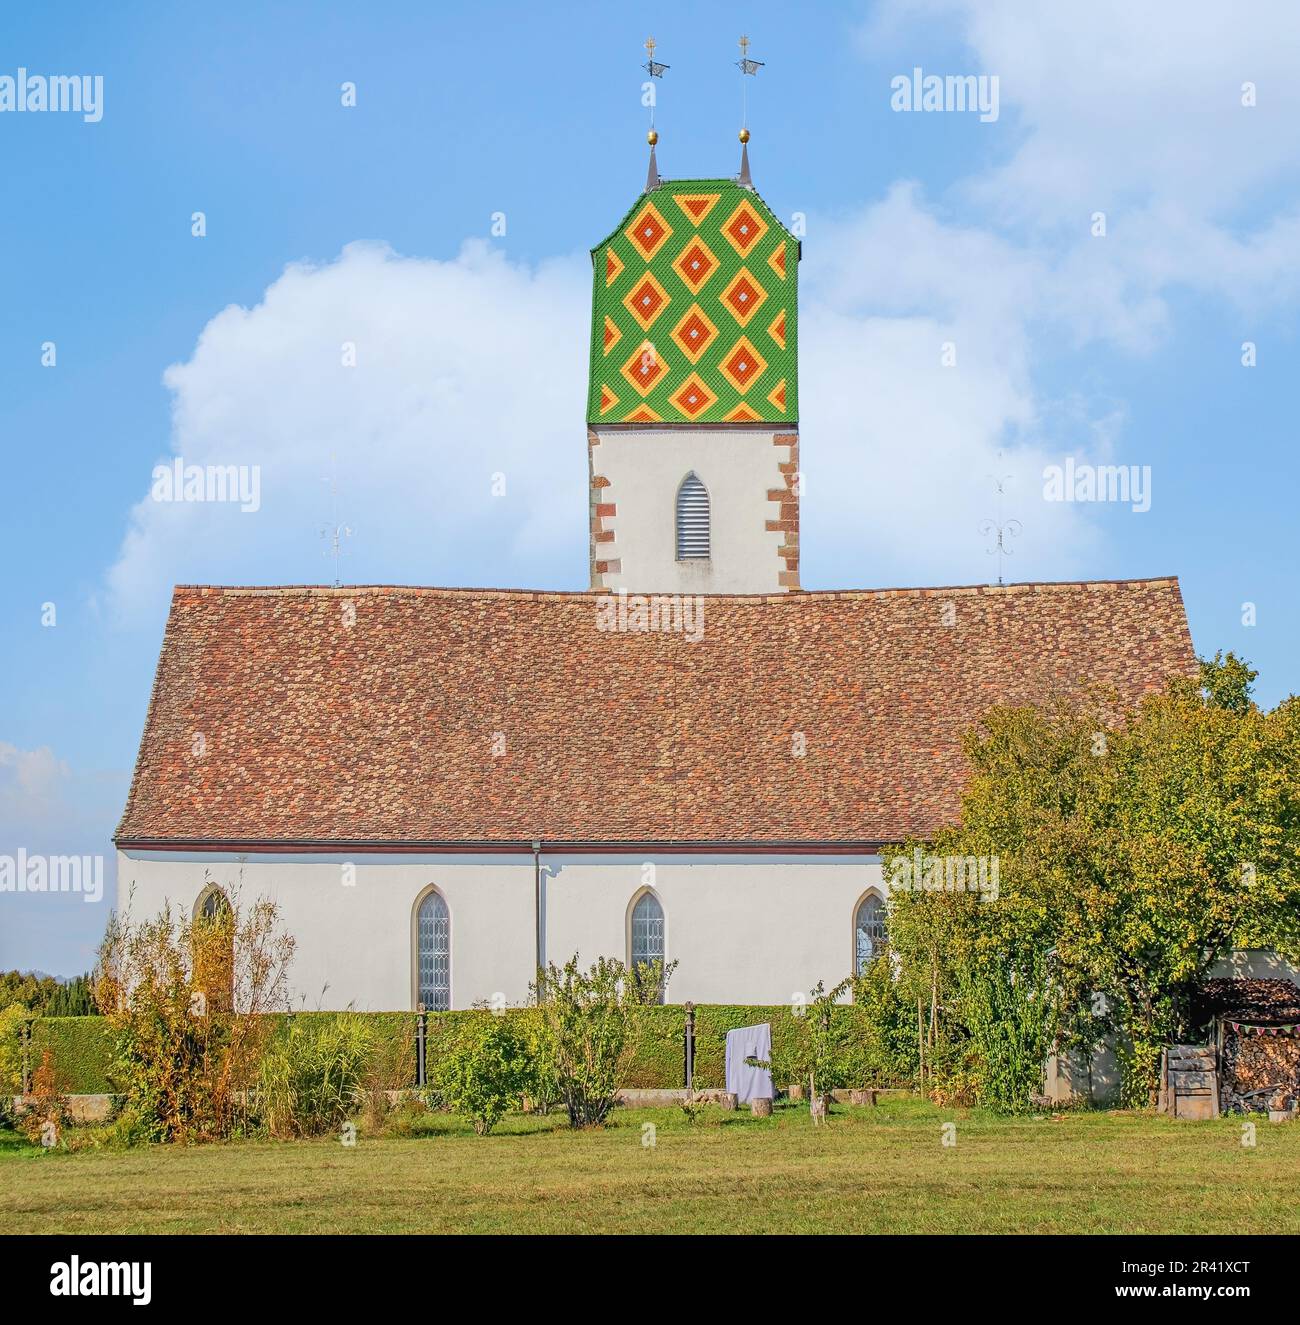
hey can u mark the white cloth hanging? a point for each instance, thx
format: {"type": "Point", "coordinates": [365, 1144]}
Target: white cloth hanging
{"type": "Point", "coordinates": [744, 1081]}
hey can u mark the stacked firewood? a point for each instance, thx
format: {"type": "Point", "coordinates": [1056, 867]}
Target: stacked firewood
{"type": "Point", "coordinates": [1260, 1073]}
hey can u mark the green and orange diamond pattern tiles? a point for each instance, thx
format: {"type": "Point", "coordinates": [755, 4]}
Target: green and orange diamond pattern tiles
{"type": "Point", "coordinates": [695, 311]}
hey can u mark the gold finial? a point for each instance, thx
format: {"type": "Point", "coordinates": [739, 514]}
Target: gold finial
{"type": "Point", "coordinates": [650, 47]}
{"type": "Point", "coordinates": [744, 135]}
{"type": "Point", "coordinates": [652, 137]}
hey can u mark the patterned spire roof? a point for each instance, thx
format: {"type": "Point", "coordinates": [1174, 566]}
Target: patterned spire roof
{"type": "Point", "coordinates": [695, 310]}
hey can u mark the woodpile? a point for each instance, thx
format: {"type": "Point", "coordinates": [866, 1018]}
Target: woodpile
{"type": "Point", "coordinates": [1261, 1072]}
{"type": "Point", "coordinates": [1256, 1026]}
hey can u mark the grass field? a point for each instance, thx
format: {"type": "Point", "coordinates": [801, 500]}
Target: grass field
{"type": "Point", "coordinates": [866, 1170]}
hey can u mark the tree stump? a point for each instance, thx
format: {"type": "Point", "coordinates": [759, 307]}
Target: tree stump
{"type": "Point", "coordinates": [796, 1092]}
{"type": "Point", "coordinates": [760, 1106]}
{"type": "Point", "coordinates": [867, 1096]}
{"type": "Point", "coordinates": [727, 1100]}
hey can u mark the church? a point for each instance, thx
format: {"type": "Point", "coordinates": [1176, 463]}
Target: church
{"type": "Point", "coordinates": [692, 758]}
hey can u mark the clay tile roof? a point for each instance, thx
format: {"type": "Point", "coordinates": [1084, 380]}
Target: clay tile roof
{"type": "Point", "coordinates": [382, 731]}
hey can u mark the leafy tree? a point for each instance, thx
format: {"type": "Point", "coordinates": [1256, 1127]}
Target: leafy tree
{"type": "Point", "coordinates": [1226, 683]}
{"type": "Point", "coordinates": [26, 988]}
{"type": "Point", "coordinates": [76, 998]}
{"type": "Point", "coordinates": [1136, 848]}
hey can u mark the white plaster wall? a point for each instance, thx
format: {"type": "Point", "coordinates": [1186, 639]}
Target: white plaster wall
{"type": "Point", "coordinates": [645, 469]}
{"type": "Point", "coordinates": [1255, 964]}
{"type": "Point", "coordinates": [354, 944]}
{"type": "Point", "coordinates": [744, 929]}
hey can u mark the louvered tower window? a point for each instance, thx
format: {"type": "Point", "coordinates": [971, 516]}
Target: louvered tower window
{"type": "Point", "coordinates": [692, 520]}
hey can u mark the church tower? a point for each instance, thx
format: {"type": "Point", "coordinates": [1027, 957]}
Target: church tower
{"type": "Point", "coordinates": [693, 407]}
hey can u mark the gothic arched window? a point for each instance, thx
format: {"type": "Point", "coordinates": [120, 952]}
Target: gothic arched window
{"type": "Point", "coordinates": [869, 933]}
{"type": "Point", "coordinates": [647, 938]}
{"type": "Point", "coordinates": [692, 520]}
{"type": "Point", "coordinates": [433, 953]}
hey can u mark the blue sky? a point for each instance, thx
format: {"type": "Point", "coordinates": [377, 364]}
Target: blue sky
{"type": "Point", "coordinates": [371, 224]}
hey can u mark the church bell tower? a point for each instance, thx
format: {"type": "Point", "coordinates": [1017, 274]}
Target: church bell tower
{"type": "Point", "coordinates": [693, 406]}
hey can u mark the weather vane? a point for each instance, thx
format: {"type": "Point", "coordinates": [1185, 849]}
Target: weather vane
{"type": "Point", "coordinates": [1003, 529]}
{"type": "Point", "coordinates": [334, 531]}
{"type": "Point", "coordinates": [745, 64]}
{"type": "Point", "coordinates": [652, 66]}
{"type": "Point", "coordinates": [656, 70]}
{"type": "Point", "coordinates": [747, 67]}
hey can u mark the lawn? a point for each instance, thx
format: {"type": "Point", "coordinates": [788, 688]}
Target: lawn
{"type": "Point", "coordinates": [867, 1170]}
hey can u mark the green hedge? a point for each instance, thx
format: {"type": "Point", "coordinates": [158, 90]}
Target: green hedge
{"type": "Point", "coordinates": [81, 1050]}
{"type": "Point", "coordinates": [713, 1021]}
{"type": "Point", "coordinates": [82, 1047]}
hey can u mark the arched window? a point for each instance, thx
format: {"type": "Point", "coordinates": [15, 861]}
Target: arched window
{"type": "Point", "coordinates": [692, 520]}
{"type": "Point", "coordinates": [868, 932]}
{"type": "Point", "coordinates": [433, 953]}
{"type": "Point", "coordinates": [647, 935]}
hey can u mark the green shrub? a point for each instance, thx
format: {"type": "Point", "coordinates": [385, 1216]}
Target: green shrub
{"type": "Point", "coordinates": [311, 1077]}
{"type": "Point", "coordinates": [885, 1027]}
{"type": "Point", "coordinates": [485, 1071]}
{"type": "Point", "coordinates": [185, 1000]}
{"type": "Point", "coordinates": [1009, 1022]}
{"type": "Point", "coordinates": [594, 1021]}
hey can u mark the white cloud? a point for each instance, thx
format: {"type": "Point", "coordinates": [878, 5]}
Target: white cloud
{"type": "Point", "coordinates": [903, 452]}
{"type": "Point", "coordinates": [1134, 110]}
{"type": "Point", "coordinates": [464, 368]}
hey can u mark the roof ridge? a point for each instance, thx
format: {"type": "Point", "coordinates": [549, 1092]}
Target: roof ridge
{"type": "Point", "coordinates": [577, 595]}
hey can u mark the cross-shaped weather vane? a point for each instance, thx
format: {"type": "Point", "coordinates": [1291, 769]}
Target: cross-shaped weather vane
{"type": "Point", "coordinates": [652, 66]}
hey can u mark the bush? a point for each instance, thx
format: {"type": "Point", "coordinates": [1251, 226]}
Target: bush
{"type": "Point", "coordinates": [185, 1000]}
{"type": "Point", "coordinates": [46, 1103]}
{"type": "Point", "coordinates": [1009, 1022]}
{"type": "Point", "coordinates": [485, 1071]}
{"type": "Point", "coordinates": [593, 1022]}
{"type": "Point", "coordinates": [541, 1085]}
{"type": "Point", "coordinates": [311, 1078]}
